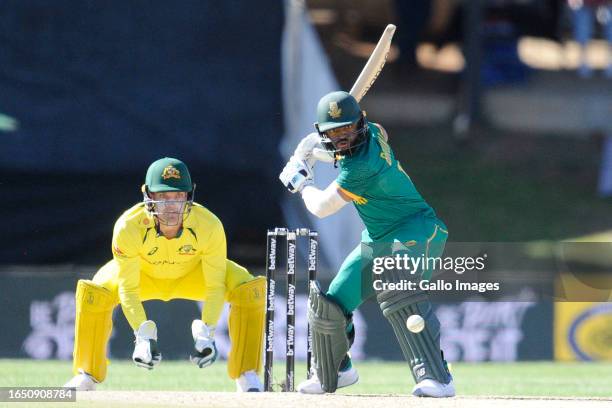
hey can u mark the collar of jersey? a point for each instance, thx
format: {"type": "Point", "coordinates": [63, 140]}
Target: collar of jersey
{"type": "Point", "coordinates": [159, 233]}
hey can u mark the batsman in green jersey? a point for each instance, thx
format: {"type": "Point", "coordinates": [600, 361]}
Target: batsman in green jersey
{"type": "Point", "coordinates": [398, 221]}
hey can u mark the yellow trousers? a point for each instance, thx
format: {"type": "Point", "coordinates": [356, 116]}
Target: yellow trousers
{"type": "Point", "coordinates": [192, 286]}
{"type": "Point", "coordinates": [96, 299]}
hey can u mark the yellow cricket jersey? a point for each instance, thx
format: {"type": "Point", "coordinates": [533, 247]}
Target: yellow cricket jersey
{"type": "Point", "coordinates": [138, 248]}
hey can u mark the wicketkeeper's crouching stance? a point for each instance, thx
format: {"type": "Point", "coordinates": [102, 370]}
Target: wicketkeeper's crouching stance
{"type": "Point", "coordinates": [398, 221]}
{"type": "Point", "coordinates": [169, 247]}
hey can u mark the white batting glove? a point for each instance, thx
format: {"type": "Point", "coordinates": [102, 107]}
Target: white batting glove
{"type": "Point", "coordinates": [146, 354]}
{"type": "Point", "coordinates": [296, 175]}
{"type": "Point", "coordinates": [205, 350]}
{"type": "Point", "coordinates": [310, 150]}
{"type": "Point", "coordinates": [303, 151]}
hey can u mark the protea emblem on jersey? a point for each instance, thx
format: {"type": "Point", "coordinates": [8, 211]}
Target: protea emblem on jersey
{"type": "Point", "coordinates": [334, 111]}
{"type": "Point", "coordinates": [171, 172]}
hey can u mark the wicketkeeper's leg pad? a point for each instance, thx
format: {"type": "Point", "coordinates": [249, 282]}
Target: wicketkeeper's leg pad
{"type": "Point", "coordinates": [421, 350]}
{"type": "Point", "coordinates": [246, 326]}
{"type": "Point", "coordinates": [330, 340]}
{"type": "Point", "coordinates": [92, 328]}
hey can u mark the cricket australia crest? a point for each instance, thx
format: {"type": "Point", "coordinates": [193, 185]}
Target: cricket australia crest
{"type": "Point", "coordinates": [171, 172]}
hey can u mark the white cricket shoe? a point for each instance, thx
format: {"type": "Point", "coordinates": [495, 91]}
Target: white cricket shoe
{"type": "Point", "coordinates": [249, 382]}
{"type": "Point", "coordinates": [82, 382]}
{"type": "Point", "coordinates": [432, 388]}
{"type": "Point", "coordinates": [313, 385]}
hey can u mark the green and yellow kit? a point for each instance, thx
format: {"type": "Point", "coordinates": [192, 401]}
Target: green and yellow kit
{"type": "Point", "coordinates": [146, 265]}
{"type": "Point", "coordinates": [391, 209]}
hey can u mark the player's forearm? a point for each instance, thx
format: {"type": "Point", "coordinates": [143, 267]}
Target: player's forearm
{"type": "Point", "coordinates": [213, 306]}
{"type": "Point", "coordinates": [128, 283]}
{"type": "Point", "coordinates": [322, 203]}
{"type": "Point", "coordinates": [214, 263]}
{"type": "Point", "coordinates": [132, 308]}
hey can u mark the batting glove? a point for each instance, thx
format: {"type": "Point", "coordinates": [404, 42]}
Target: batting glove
{"type": "Point", "coordinates": [310, 150]}
{"type": "Point", "coordinates": [146, 354]}
{"type": "Point", "coordinates": [303, 151]}
{"type": "Point", "coordinates": [205, 350]}
{"type": "Point", "coordinates": [296, 175]}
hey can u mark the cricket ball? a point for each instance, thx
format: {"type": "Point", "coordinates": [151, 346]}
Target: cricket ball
{"type": "Point", "coordinates": [415, 323]}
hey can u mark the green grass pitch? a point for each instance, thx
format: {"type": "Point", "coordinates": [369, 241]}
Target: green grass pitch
{"type": "Point", "coordinates": [376, 377]}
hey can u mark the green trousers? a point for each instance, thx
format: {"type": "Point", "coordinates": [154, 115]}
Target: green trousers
{"type": "Point", "coordinates": [418, 236]}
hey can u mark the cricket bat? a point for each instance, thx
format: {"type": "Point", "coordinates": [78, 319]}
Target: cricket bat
{"type": "Point", "coordinates": [366, 79]}
{"type": "Point", "coordinates": [375, 64]}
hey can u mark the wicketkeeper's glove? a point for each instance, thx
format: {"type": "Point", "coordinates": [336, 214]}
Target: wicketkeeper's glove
{"type": "Point", "coordinates": [146, 354]}
{"type": "Point", "coordinates": [205, 352]}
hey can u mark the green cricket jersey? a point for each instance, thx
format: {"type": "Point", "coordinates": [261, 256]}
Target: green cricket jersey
{"type": "Point", "coordinates": [382, 192]}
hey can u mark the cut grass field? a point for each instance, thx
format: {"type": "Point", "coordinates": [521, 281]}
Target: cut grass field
{"type": "Point", "coordinates": [545, 379]}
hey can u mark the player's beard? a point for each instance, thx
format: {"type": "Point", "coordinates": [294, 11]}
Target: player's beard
{"type": "Point", "coordinates": [348, 143]}
{"type": "Point", "coordinates": [347, 146]}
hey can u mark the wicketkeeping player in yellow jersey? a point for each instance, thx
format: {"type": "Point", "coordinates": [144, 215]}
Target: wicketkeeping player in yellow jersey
{"type": "Point", "coordinates": [169, 247]}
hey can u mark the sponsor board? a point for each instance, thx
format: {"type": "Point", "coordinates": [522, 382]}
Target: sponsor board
{"type": "Point", "coordinates": [42, 326]}
{"type": "Point", "coordinates": [583, 331]}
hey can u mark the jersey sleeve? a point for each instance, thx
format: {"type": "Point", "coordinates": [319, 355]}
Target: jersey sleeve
{"type": "Point", "coordinates": [214, 257]}
{"type": "Point", "coordinates": [126, 245]}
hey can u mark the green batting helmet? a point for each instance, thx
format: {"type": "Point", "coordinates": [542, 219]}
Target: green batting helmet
{"type": "Point", "coordinates": [337, 109]}
{"type": "Point", "coordinates": [168, 174]}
